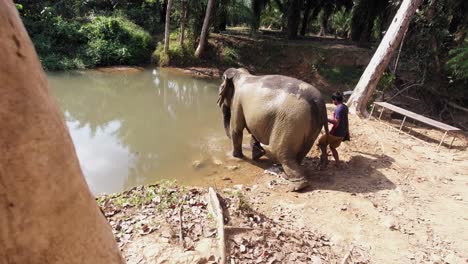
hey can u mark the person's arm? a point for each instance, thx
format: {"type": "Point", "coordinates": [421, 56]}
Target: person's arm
{"type": "Point", "coordinates": [334, 121]}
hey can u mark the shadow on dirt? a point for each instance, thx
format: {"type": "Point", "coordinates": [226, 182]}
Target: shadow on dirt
{"type": "Point", "coordinates": [358, 175]}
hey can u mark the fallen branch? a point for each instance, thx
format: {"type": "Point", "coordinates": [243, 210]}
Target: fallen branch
{"type": "Point", "coordinates": [459, 107]}
{"type": "Point", "coordinates": [215, 209]}
{"type": "Point", "coordinates": [181, 231]}
{"type": "Point", "coordinates": [346, 257]}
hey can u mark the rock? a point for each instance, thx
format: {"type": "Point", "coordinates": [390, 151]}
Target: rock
{"type": "Point", "coordinates": [198, 164]}
{"type": "Point", "coordinates": [217, 162]}
{"type": "Point", "coordinates": [316, 260]}
{"type": "Point", "coordinates": [242, 249]}
{"type": "Point", "coordinates": [227, 179]}
{"type": "Point", "coordinates": [238, 187]}
{"type": "Point", "coordinates": [233, 167]}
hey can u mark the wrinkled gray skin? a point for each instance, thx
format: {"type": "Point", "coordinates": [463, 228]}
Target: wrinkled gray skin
{"type": "Point", "coordinates": [285, 113]}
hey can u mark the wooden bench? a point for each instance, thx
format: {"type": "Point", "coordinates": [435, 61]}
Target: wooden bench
{"type": "Point", "coordinates": [420, 118]}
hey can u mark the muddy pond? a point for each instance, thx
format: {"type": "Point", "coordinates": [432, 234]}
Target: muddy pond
{"type": "Point", "coordinates": [137, 128]}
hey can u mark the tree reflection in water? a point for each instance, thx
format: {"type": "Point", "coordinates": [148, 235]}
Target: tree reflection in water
{"type": "Point", "coordinates": [136, 128]}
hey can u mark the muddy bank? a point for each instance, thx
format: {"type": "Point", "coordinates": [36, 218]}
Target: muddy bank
{"type": "Point", "coordinates": [394, 200]}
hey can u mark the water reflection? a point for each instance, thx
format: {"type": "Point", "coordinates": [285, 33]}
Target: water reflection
{"type": "Point", "coordinates": [132, 129]}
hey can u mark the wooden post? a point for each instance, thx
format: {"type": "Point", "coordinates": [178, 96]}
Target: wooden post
{"type": "Point", "coordinates": [372, 111]}
{"type": "Point", "coordinates": [445, 134]}
{"type": "Point", "coordinates": [401, 126]}
{"type": "Point", "coordinates": [381, 112]}
{"type": "Point", "coordinates": [451, 143]}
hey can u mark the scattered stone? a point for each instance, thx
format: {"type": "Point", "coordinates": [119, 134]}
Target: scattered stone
{"type": "Point", "coordinates": [198, 164]}
{"type": "Point", "coordinates": [233, 167]}
{"type": "Point", "coordinates": [217, 162]}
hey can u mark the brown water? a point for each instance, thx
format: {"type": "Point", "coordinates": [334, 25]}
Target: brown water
{"type": "Point", "coordinates": [138, 128]}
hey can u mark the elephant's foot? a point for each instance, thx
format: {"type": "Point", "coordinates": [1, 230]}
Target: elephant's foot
{"type": "Point", "coordinates": [238, 154]}
{"type": "Point", "coordinates": [257, 150]}
{"type": "Point", "coordinates": [295, 184]}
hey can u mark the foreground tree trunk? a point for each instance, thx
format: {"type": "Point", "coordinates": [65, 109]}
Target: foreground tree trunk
{"type": "Point", "coordinates": [294, 18]}
{"type": "Point", "coordinates": [204, 32]}
{"type": "Point", "coordinates": [183, 17]}
{"type": "Point", "coordinates": [47, 213]}
{"type": "Point", "coordinates": [168, 24]}
{"type": "Point", "coordinates": [370, 78]}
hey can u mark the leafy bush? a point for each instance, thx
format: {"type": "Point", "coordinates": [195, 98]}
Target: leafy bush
{"type": "Point", "coordinates": [69, 44]}
{"type": "Point", "coordinates": [115, 40]}
{"type": "Point", "coordinates": [230, 56]}
{"type": "Point", "coordinates": [458, 62]}
{"type": "Point", "coordinates": [341, 22]}
{"type": "Point", "coordinates": [176, 54]}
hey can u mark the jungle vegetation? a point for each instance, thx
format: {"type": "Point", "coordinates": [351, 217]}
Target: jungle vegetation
{"type": "Point", "coordinates": [432, 60]}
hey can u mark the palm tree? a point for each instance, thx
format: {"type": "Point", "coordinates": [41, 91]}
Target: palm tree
{"type": "Point", "coordinates": [204, 32]}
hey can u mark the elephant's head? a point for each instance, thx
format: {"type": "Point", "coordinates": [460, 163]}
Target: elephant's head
{"type": "Point", "coordinates": [226, 94]}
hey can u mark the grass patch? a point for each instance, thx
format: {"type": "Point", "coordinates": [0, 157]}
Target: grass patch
{"type": "Point", "coordinates": [340, 74]}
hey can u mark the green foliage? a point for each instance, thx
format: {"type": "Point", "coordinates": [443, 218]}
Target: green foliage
{"type": "Point", "coordinates": [341, 22]}
{"type": "Point", "coordinates": [69, 44]}
{"type": "Point", "coordinates": [230, 56]}
{"type": "Point", "coordinates": [176, 54]}
{"type": "Point", "coordinates": [457, 65]}
{"type": "Point", "coordinates": [115, 40]}
{"type": "Point", "coordinates": [271, 18]}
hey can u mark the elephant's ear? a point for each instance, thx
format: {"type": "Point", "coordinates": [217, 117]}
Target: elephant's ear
{"type": "Point", "coordinates": [226, 90]}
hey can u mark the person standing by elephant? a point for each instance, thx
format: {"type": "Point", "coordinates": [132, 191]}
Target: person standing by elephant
{"type": "Point", "coordinates": [340, 129]}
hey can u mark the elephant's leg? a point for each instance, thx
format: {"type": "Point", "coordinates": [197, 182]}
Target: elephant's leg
{"type": "Point", "coordinates": [257, 150]}
{"type": "Point", "coordinates": [295, 174]}
{"type": "Point", "coordinates": [237, 144]}
{"type": "Point", "coordinates": [237, 128]}
{"type": "Point", "coordinates": [304, 151]}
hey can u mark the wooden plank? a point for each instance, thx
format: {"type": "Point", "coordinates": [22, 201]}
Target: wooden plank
{"type": "Point", "coordinates": [417, 117]}
{"type": "Point", "coordinates": [215, 209]}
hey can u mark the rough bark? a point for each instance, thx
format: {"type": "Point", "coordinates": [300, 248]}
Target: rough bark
{"type": "Point", "coordinates": [305, 17]}
{"type": "Point", "coordinates": [204, 32]}
{"type": "Point", "coordinates": [183, 17]}
{"type": "Point", "coordinates": [162, 11]}
{"type": "Point", "coordinates": [47, 212]}
{"type": "Point", "coordinates": [366, 86]}
{"type": "Point", "coordinates": [257, 11]}
{"type": "Point", "coordinates": [294, 16]}
{"type": "Point", "coordinates": [167, 29]}
{"type": "Point", "coordinates": [327, 10]}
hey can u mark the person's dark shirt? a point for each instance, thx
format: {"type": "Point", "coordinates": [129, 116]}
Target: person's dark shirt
{"type": "Point", "coordinates": [341, 129]}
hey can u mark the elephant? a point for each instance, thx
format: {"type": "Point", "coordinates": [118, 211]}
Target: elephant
{"type": "Point", "coordinates": [282, 112]}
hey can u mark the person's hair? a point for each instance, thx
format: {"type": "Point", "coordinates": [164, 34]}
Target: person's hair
{"type": "Point", "coordinates": [337, 96]}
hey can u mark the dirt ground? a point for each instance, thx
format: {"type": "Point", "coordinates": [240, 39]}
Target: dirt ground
{"type": "Point", "coordinates": [402, 200]}
{"type": "Point", "coordinates": [394, 199]}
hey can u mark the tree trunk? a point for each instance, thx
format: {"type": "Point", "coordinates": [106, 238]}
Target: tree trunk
{"type": "Point", "coordinates": [168, 24]}
{"type": "Point", "coordinates": [371, 76]}
{"type": "Point", "coordinates": [305, 18]}
{"type": "Point", "coordinates": [162, 11]}
{"type": "Point", "coordinates": [204, 33]}
{"type": "Point", "coordinates": [294, 16]}
{"type": "Point", "coordinates": [183, 17]}
{"type": "Point", "coordinates": [257, 11]}
{"type": "Point", "coordinates": [47, 212]}
{"type": "Point", "coordinates": [327, 10]}
{"type": "Point", "coordinates": [220, 23]}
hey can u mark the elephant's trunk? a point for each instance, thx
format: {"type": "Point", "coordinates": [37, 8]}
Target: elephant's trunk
{"type": "Point", "coordinates": [227, 120]}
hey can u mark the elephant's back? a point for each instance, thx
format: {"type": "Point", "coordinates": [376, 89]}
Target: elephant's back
{"type": "Point", "coordinates": [289, 85]}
